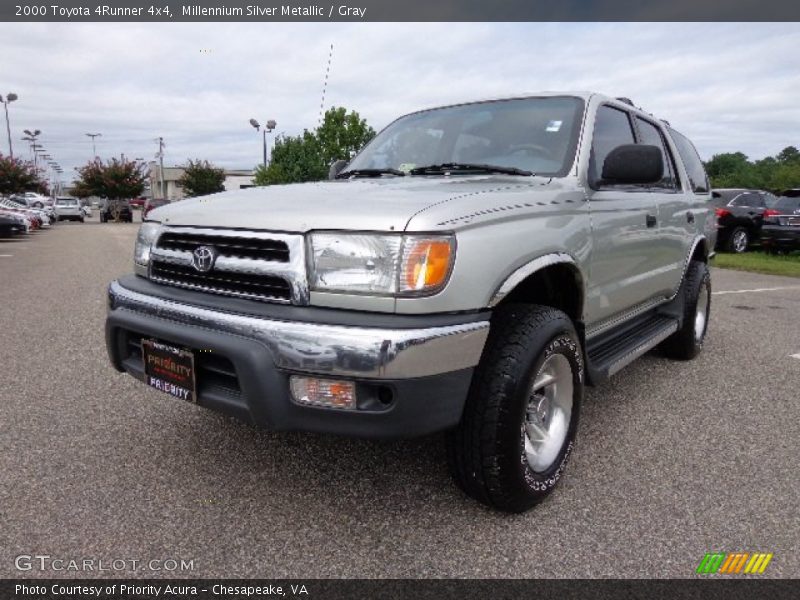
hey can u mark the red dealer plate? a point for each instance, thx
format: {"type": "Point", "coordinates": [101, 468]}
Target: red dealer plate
{"type": "Point", "coordinates": [169, 369]}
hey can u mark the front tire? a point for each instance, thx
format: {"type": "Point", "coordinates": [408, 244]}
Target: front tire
{"type": "Point", "coordinates": [521, 417]}
{"type": "Point", "coordinates": [687, 342]}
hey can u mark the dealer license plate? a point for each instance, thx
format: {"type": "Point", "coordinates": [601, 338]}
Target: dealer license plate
{"type": "Point", "coordinates": [169, 369]}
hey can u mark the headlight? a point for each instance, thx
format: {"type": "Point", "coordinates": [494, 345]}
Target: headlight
{"type": "Point", "coordinates": [381, 264]}
{"type": "Point", "coordinates": [148, 233]}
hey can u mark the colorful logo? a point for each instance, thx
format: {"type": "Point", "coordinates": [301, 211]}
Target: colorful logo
{"type": "Point", "coordinates": [734, 563]}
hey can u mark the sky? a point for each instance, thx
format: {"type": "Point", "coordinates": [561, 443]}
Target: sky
{"type": "Point", "coordinates": [728, 87]}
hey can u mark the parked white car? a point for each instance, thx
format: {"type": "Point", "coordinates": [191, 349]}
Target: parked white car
{"type": "Point", "coordinates": [69, 209]}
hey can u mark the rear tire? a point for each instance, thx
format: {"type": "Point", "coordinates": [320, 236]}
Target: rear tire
{"type": "Point", "coordinates": [512, 444]}
{"type": "Point", "coordinates": [739, 240]}
{"type": "Point", "coordinates": [687, 342]}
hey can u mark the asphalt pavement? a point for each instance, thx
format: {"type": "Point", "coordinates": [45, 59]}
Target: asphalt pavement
{"type": "Point", "coordinates": [673, 459]}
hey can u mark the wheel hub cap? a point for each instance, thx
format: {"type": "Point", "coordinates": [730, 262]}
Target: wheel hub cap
{"type": "Point", "coordinates": [548, 412]}
{"type": "Point", "coordinates": [701, 315]}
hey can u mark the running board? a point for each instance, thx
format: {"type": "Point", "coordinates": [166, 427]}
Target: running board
{"type": "Point", "coordinates": [610, 352]}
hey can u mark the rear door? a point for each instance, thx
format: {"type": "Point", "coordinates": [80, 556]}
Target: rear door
{"type": "Point", "coordinates": [677, 223]}
{"type": "Point", "coordinates": [626, 262]}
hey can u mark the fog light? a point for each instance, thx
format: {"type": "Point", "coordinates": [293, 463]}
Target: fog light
{"type": "Point", "coordinates": [330, 393]}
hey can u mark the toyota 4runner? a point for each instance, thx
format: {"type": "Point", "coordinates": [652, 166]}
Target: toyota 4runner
{"type": "Point", "coordinates": [470, 270]}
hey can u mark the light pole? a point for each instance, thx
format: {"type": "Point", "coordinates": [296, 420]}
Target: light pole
{"type": "Point", "coordinates": [94, 149]}
{"type": "Point", "coordinates": [37, 149]}
{"type": "Point", "coordinates": [10, 97]}
{"type": "Point", "coordinates": [30, 136]}
{"type": "Point", "coordinates": [268, 127]}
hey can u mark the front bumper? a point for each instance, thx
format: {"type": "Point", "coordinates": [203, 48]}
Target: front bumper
{"type": "Point", "coordinates": [413, 379]}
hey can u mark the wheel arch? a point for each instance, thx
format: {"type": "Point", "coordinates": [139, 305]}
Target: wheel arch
{"type": "Point", "coordinates": [550, 280]}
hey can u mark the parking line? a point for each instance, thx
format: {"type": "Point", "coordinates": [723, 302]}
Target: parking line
{"type": "Point", "coordinates": [6, 255]}
{"type": "Point", "coordinates": [775, 289]}
{"type": "Point", "coordinates": [797, 356]}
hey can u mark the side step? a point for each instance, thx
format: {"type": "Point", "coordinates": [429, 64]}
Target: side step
{"type": "Point", "coordinates": [610, 352]}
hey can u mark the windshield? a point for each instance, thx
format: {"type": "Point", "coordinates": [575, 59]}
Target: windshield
{"type": "Point", "coordinates": [538, 135]}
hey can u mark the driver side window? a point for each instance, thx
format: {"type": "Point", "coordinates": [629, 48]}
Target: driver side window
{"type": "Point", "coordinates": [612, 128]}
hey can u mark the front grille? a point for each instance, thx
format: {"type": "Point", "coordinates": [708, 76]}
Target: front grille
{"type": "Point", "coordinates": [257, 265]}
{"type": "Point", "coordinates": [245, 285]}
{"type": "Point", "coordinates": [227, 245]}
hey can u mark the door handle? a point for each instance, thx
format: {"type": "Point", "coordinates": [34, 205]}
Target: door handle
{"type": "Point", "coordinates": [690, 217]}
{"type": "Point", "coordinates": [651, 220]}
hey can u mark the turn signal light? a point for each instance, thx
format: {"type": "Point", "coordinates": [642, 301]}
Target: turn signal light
{"type": "Point", "coordinates": [426, 263]}
{"type": "Point", "coordinates": [327, 393]}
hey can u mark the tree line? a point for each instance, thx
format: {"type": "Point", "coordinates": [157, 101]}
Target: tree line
{"type": "Point", "coordinates": [773, 173]}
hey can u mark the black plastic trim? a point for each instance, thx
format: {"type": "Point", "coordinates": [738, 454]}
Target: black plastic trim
{"type": "Point", "coordinates": [417, 406]}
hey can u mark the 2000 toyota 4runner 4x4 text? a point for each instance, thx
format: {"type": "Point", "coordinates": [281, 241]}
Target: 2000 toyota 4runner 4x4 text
{"type": "Point", "coordinates": [470, 270]}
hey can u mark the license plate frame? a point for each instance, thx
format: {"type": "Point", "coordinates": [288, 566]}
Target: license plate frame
{"type": "Point", "coordinates": [169, 369]}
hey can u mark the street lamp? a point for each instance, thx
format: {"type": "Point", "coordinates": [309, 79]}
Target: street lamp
{"type": "Point", "coordinates": [10, 97]}
{"type": "Point", "coordinates": [30, 136]}
{"type": "Point", "coordinates": [268, 127]}
{"type": "Point", "coordinates": [94, 135]}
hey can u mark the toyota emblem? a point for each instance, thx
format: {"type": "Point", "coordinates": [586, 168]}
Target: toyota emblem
{"type": "Point", "coordinates": [203, 258]}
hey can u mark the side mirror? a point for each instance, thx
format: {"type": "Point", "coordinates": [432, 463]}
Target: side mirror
{"type": "Point", "coordinates": [633, 163]}
{"type": "Point", "coordinates": [336, 168]}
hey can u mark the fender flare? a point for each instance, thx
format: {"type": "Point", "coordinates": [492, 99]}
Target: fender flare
{"type": "Point", "coordinates": [528, 269]}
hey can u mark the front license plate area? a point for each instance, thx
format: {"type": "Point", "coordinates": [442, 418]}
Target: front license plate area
{"type": "Point", "coordinates": [169, 369]}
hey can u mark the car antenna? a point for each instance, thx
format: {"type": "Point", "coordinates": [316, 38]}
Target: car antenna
{"type": "Point", "coordinates": [325, 85]}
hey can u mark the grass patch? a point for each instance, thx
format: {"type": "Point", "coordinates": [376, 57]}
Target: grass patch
{"type": "Point", "coordinates": [787, 265]}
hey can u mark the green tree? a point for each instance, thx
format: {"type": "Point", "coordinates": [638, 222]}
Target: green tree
{"type": "Point", "coordinates": [294, 159]}
{"type": "Point", "coordinates": [342, 134]}
{"type": "Point", "coordinates": [201, 178]}
{"type": "Point", "coordinates": [19, 176]}
{"type": "Point", "coordinates": [789, 155]}
{"type": "Point", "coordinates": [116, 180]}
{"type": "Point", "coordinates": [307, 157]}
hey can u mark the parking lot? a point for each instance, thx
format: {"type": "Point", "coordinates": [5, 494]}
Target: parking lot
{"type": "Point", "coordinates": [674, 459]}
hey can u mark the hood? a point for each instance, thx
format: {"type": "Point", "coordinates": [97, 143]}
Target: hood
{"type": "Point", "coordinates": [385, 204]}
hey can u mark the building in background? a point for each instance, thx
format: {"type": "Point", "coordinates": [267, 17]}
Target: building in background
{"type": "Point", "coordinates": [235, 179]}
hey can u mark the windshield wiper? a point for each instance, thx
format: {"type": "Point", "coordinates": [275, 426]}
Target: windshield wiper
{"type": "Point", "coordinates": [369, 173]}
{"type": "Point", "coordinates": [447, 167]}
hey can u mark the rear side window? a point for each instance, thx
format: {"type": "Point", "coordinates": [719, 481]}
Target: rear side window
{"type": "Point", "coordinates": [698, 179]}
{"type": "Point", "coordinates": [612, 128]}
{"type": "Point", "coordinates": [751, 200]}
{"type": "Point", "coordinates": [650, 135]}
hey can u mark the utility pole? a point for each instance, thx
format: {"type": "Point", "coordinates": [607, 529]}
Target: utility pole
{"type": "Point", "coordinates": [94, 148]}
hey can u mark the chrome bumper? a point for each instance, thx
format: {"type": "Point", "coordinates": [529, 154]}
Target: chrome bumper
{"type": "Point", "coordinates": [327, 349]}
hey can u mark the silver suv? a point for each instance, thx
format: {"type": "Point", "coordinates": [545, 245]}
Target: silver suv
{"type": "Point", "coordinates": [470, 270]}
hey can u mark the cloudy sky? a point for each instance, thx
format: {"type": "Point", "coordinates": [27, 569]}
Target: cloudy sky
{"type": "Point", "coordinates": [727, 86]}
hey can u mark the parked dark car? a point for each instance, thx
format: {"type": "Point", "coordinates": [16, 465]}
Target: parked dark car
{"type": "Point", "coordinates": [740, 215]}
{"type": "Point", "coordinates": [151, 204]}
{"type": "Point", "coordinates": [125, 215]}
{"type": "Point", "coordinates": [781, 230]}
{"type": "Point", "coordinates": [10, 225]}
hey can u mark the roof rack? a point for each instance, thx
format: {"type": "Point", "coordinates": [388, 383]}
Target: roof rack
{"type": "Point", "coordinates": [627, 101]}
